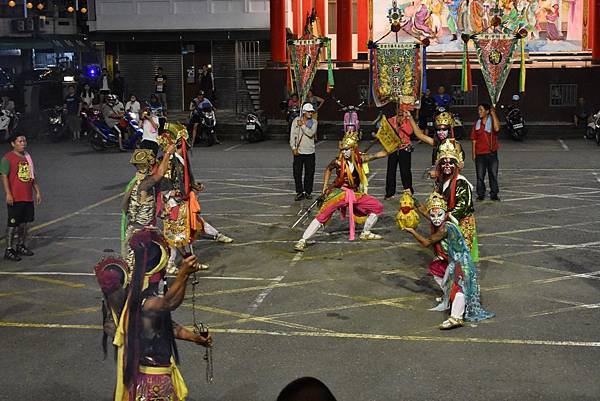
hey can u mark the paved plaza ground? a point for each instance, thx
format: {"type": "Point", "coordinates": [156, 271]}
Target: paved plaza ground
{"type": "Point", "coordinates": [353, 314]}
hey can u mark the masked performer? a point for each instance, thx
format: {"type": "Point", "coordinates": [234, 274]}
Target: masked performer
{"type": "Point", "coordinates": [457, 191]}
{"type": "Point", "coordinates": [147, 354]}
{"type": "Point", "coordinates": [453, 268]}
{"type": "Point", "coordinates": [444, 129]}
{"type": "Point", "coordinates": [181, 209]}
{"type": "Point", "coordinates": [348, 192]}
{"type": "Point", "coordinates": [139, 203]}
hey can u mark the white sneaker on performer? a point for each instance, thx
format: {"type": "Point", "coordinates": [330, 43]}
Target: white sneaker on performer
{"type": "Point", "coordinates": [368, 235]}
{"type": "Point", "coordinates": [223, 238]}
{"type": "Point", "coordinates": [171, 268]}
{"type": "Point", "coordinates": [202, 266]}
{"type": "Point", "coordinates": [300, 245]}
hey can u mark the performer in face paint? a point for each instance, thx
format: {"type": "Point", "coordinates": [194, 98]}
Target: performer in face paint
{"type": "Point", "coordinates": [348, 192]}
{"type": "Point", "coordinates": [453, 268]}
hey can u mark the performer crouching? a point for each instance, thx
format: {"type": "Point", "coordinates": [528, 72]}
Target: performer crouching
{"type": "Point", "coordinates": [347, 193]}
{"type": "Point", "coordinates": [147, 353]}
{"type": "Point", "coordinates": [453, 268]}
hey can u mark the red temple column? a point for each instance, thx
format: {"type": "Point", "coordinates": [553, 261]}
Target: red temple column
{"type": "Point", "coordinates": [344, 30]}
{"type": "Point", "coordinates": [296, 15]}
{"type": "Point", "coordinates": [321, 14]}
{"type": "Point", "coordinates": [363, 25]}
{"type": "Point", "coordinates": [594, 37]}
{"type": "Point", "coordinates": [277, 23]}
{"type": "Point", "coordinates": [307, 6]}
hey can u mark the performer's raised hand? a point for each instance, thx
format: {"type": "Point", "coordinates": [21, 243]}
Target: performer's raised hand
{"type": "Point", "coordinates": [189, 265]}
{"type": "Point", "coordinates": [171, 149]}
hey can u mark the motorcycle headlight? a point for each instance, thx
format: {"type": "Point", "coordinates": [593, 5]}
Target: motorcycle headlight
{"type": "Point", "coordinates": [55, 120]}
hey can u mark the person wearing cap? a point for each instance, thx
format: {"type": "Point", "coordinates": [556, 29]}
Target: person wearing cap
{"type": "Point", "coordinates": [302, 141]}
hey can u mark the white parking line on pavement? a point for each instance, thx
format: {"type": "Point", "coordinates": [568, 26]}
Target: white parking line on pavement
{"type": "Point", "coordinates": [233, 147]}
{"type": "Point", "coordinates": [564, 145]}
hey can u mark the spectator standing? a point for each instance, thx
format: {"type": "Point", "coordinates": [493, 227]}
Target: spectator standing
{"type": "Point", "coordinates": [7, 104]}
{"type": "Point", "coordinates": [582, 113]}
{"type": "Point", "coordinates": [87, 96]}
{"type": "Point", "coordinates": [20, 184]}
{"type": "Point", "coordinates": [442, 99]}
{"type": "Point", "coordinates": [400, 157]}
{"type": "Point", "coordinates": [484, 137]}
{"type": "Point", "coordinates": [104, 86]}
{"type": "Point", "coordinates": [118, 85]}
{"type": "Point", "coordinates": [72, 108]}
{"type": "Point", "coordinates": [316, 101]}
{"type": "Point", "coordinates": [160, 88]}
{"type": "Point", "coordinates": [133, 106]}
{"type": "Point", "coordinates": [302, 142]}
{"type": "Point", "coordinates": [427, 111]}
{"type": "Point", "coordinates": [207, 82]}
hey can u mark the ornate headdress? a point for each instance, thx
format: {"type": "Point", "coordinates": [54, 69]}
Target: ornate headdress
{"type": "Point", "coordinates": [143, 157]}
{"type": "Point", "coordinates": [449, 150]}
{"type": "Point", "coordinates": [444, 118]}
{"type": "Point", "coordinates": [350, 140]}
{"type": "Point", "coordinates": [173, 133]}
{"type": "Point", "coordinates": [436, 200]}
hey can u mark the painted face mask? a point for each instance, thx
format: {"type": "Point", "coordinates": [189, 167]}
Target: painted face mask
{"type": "Point", "coordinates": [448, 166]}
{"type": "Point", "coordinates": [437, 216]}
{"type": "Point", "coordinates": [442, 133]}
{"type": "Point", "coordinates": [347, 153]}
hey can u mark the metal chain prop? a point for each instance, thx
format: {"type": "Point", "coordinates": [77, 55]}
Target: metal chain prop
{"type": "Point", "coordinates": [199, 327]}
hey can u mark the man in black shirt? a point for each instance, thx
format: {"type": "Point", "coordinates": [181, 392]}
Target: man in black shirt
{"type": "Point", "coordinates": [427, 111]}
{"type": "Point", "coordinates": [160, 88]}
{"type": "Point", "coordinates": [72, 108]}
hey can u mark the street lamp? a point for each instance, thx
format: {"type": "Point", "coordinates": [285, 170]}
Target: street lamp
{"type": "Point", "coordinates": [12, 3]}
{"type": "Point", "coordinates": [29, 5]}
{"type": "Point", "coordinates": [40, 6]}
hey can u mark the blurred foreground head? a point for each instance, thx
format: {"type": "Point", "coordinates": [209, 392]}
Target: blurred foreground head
{"type": "Point", "coordinates": [306, 389]}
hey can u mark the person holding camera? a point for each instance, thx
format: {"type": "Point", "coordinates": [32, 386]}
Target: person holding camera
{"type": "Point", "coordinates": [149, 123]}
{"type": "Point", "coordinates": [302, 141]}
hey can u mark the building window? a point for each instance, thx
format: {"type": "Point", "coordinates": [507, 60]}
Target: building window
{"type": "Point", "coordinates": [563, 94]}
{"type": "Point", "coordinates": [332, 16]}
{"type": "Point", "coordinates": [465, 99]}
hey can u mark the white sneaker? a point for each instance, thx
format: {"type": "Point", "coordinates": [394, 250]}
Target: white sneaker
{"type": "Point", "coordinates": [368, 236]}
{"type": "Point", "coordinates": [223, 238]}
{"type": "Point", "coordinates": [300, 245]}
{"type": "Point", "coordinates": [442, 306]}
{"type": "Point", "coordinates": [171, 268]}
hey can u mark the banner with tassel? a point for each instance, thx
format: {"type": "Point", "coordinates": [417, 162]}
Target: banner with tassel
{"type": "Point", "coordinates": [495, 52]}
{"type": "Point", "coordinates": [396, 73]}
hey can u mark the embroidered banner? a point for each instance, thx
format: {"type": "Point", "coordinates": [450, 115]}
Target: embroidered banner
{"type": "Point", "coordinates": [396, 73]}
{"type": "Point", "coordinates": [495, 57]}
{"type": "Point", "coordinates": [304, 62]}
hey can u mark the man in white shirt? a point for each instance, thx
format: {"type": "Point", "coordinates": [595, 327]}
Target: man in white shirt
{"type": "Point", "coordinates": [133, 106]}
{"type": "Point", "coordinates": [302, 141]}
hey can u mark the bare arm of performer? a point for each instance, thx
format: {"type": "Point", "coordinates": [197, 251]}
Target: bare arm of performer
{"type": "Point", "coordinates": [181, 333]}
{"type": "Point", "coordinates": [164, 164]}
{"type": "Point", "coordinates": [428, 241]}
{"type": "Point", "coordinates": [418, 132]}
{"type": "Point", "coordinates": [379, 155]}
{"type": "Point", "coordinates": [176, 293]}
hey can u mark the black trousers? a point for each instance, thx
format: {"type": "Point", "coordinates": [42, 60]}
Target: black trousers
{"type": "Point", "coordinates": [306, 162]}
{"type": "Point", "coordinates": [402, 158]}
{"type": "Point", "coordinates": [489, 163]}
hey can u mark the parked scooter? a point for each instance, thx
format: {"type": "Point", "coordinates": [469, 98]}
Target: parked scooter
{"type": "Point", "coordinates": [593, 128]}
{"type": "Point", "coordinates": [8, 123]}
{"type": "Point", "coordinates": [515, 124]}
{"type": "Point", "coordinates": [56, 124]}
{"type": "Point", "coordinates": [255, 130]}
{"type": "Point", "coordinates": [103, 137]}
{"type": "Point", "coordinates": [351, 120]}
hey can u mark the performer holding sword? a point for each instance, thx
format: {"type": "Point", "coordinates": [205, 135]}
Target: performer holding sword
{"type": "Point", "coordinates": [348, 192]}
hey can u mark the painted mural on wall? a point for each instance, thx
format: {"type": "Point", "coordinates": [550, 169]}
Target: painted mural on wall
{"type": "Point", "coordinates": [552, 25]}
